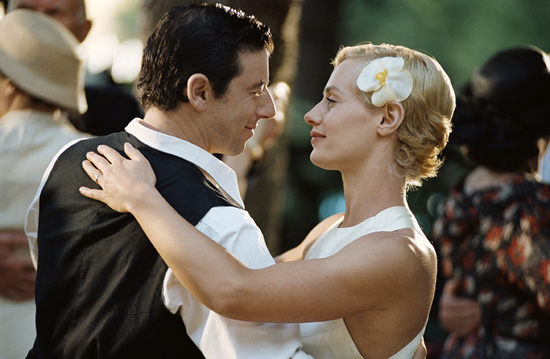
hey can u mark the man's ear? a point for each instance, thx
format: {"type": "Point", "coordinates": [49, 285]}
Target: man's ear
{"type": "Point", "coordinates": [198, 91]}
{"type": "Point", "coordinates": [84, 30]}
{"type": "Point", "coordinates": [10, 89]}
{"type": "Point", "coordinates": [392, 116]}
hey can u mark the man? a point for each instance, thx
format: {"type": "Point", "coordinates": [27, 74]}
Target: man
{"type": "Point", "coordinates": [110, 108]}
{"type": "Point", "coordinates": [40, 77]}
{"type": "Point", "coordinates": [102, 289]}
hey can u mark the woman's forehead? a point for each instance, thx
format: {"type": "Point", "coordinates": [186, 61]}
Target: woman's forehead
{"type": "Point", "coordinates": [344, 76]}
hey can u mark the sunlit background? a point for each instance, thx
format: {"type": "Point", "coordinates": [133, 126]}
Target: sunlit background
{"type": "Point", "coordinates": [112, 49]}
{"type": "Point", "coordinates": [113, 46]}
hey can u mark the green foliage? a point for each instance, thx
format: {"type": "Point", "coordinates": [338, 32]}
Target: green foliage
{"type": "Point", "coordinates": [459, 34]}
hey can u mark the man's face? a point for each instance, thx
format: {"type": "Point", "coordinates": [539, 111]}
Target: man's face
{"type": "Point", "coordinates": [246, 101]}
{"type": "Point", "coordinates": [68, 12]}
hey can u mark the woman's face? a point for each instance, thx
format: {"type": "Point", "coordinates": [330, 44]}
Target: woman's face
{"type": "Point", "coordinates": [344, 129]}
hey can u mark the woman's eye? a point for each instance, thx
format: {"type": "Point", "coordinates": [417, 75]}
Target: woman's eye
{"type": "Point", "coordinates": [329, 100]}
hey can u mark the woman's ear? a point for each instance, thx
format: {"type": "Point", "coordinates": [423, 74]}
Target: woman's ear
{"type": "Point", "coordinates": [199, 91]}
{"type": "Point", "coordinates": [392, 116]}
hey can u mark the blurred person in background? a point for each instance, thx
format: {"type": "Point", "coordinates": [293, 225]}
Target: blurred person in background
{"type": "Point", "coordinates": [110, 108]}
{"type": "Point", "coordinates": [494, 232]}
{"type": "Point", "coordinates": [40, 77]}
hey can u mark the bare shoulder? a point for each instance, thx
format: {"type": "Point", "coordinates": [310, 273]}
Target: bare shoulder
{"type": "Point", "coordinates": [407, 249]}
{"type": "Point", "coordinates": [392, 263]}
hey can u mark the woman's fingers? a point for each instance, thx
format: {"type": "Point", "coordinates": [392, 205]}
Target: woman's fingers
{"type": "Point", "coordinates": [133, 153]}
{"type": "Point", "coordinates": [110, 154]}
{"type": "Point", "coordinates": [91, 169]}
{"type": "Point", "coordinates": [94, 174]}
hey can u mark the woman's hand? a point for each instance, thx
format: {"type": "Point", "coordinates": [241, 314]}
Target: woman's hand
{"type": "Point", "coordinates": [125, 183]}
{"type": "Point", "coordinates": [458, 315]}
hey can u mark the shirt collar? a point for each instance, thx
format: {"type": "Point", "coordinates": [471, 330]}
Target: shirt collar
{"type": "Point", "coordinates": [219, 171]}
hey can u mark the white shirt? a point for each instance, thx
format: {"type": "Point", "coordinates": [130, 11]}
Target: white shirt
{"type": "Point", "coordinates": [234, 229]}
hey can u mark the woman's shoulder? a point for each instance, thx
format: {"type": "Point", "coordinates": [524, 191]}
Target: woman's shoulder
{"type": "Point", "coordinates": [407, 245]}
{"type": "Point", "coordinates": [400, 257]}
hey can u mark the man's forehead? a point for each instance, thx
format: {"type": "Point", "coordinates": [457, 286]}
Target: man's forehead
{"type": "Point", "coordinates": [255, 68]}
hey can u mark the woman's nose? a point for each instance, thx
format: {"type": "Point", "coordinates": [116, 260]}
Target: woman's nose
{"type": "Point", "coordinates": [313, 117]}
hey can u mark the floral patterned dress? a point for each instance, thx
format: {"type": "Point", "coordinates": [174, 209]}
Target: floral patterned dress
{"type": "Point", "coordinates": [497, 243]}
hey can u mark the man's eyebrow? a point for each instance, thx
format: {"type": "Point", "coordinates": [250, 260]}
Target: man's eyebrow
{"type": "Point", "coordinates": [260, 84]}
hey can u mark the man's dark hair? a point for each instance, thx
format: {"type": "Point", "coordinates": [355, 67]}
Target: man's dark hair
{"type": "Point", "coordinates": [197, 38]}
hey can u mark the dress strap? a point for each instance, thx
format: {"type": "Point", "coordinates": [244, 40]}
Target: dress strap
{"type": "Point", "coordinates": [408, 351]}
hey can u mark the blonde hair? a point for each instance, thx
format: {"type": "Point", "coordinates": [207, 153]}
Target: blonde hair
{"type": "Point", "coordinates": [426, 126]}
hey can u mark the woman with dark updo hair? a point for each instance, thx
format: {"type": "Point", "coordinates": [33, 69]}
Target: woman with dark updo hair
{"type": "Point", "coordinates": [494, 232]}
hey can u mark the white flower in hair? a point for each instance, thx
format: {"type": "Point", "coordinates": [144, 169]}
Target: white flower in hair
{"type": "Point", "coordinates": [388, 80]}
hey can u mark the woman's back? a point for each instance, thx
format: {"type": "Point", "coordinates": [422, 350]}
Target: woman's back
{"type": "Point", "coordinates": [397, 320]}
{"type": "Point", "coordinates": [494, 240]}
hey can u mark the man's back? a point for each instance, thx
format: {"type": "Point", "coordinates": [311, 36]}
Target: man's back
{"type": "Point", "coordinates": [99, 282]}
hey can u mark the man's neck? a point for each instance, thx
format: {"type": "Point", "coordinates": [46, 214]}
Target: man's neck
{"type": "Point", "coordinates": [176, 123]}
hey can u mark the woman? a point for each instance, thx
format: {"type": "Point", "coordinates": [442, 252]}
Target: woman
{"type": "Point", "coordinates": [367, 286]}
{"type": "Point", "coordinates": [41, 78]}
{"type": "Point", "coordinates": [495, 229]}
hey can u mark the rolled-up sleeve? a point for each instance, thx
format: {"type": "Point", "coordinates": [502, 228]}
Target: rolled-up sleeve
{"type": "Point", "coordinates": [220, 337]}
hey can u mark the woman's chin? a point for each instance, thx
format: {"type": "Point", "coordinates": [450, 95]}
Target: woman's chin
{"type": "Point", "coordinates": [321, 162]}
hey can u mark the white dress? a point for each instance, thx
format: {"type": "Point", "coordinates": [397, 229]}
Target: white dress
{"type": "Point", "coordinates": [331, 339]}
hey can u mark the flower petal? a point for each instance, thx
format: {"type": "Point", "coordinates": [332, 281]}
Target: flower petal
{"type": "Point", "coordinates": [392, 63]}
{"type": "Point", "coordinates": [401, 83]}
{"type": "Point", "coordinates": [367, 78]}
{"type": "Point", "coordinates": [383, 96]}
{"type": "Point", "coordinates": [387, 78]}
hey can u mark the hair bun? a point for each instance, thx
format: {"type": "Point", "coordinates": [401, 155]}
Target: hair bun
{"type": "Point", "coordinates": [507, 102]}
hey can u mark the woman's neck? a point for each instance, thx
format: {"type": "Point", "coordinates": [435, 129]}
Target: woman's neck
{"type": "Point", "coordinates": [24, 102]}
{"type": "Point", "coordinates": [370, 190]}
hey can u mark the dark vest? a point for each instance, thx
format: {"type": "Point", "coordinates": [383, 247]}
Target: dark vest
{"type": "Point", "coordinates": [99, 280]}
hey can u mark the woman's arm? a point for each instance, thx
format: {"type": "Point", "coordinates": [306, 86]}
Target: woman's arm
{"type": "Point", "coordinates": [358, 278]}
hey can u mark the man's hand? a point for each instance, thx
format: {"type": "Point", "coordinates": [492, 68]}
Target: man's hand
{"type": "Point", "coordinates": [17, 274]}
{"type": "Point", "coordinates": [458, 315]}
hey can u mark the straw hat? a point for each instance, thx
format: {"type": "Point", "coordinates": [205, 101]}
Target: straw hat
{"type": "Point", "coordinates": [38, 54]}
